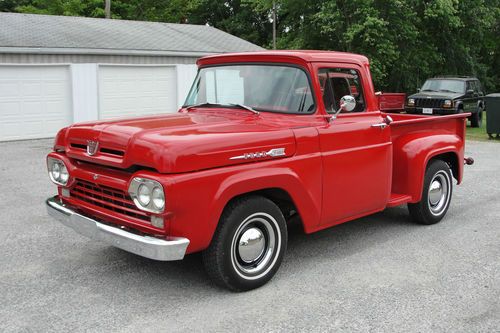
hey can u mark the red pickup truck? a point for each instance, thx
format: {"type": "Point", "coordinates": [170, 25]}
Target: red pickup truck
{"type": "Point", "coordinates": [263, 138]}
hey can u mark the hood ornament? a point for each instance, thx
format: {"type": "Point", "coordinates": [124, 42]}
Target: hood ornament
{"type": "Point", "coordinates": [275, 152]}
{"type": "Point", "coordinates": [92, 147]}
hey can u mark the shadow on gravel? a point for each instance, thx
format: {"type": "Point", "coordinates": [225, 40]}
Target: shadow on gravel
{"type": "Point", "coordinates": [331, 244]}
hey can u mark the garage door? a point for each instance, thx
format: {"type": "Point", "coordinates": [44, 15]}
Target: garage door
{"type": "Point", "coordinates": [126, 91]}
{"type": "Point", "coordinates": [35, 101]}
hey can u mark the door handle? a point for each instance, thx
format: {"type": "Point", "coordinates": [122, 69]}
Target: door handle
{"type": "Point", "coordinates": [380, 125]}
{"type": "Point", "coordinates": [387, 121]}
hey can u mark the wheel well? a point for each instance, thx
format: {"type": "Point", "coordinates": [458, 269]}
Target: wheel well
{"type": "Point", "coordinates": [451, 159]}
{"type": "Point", "coordinates": [277, 195]}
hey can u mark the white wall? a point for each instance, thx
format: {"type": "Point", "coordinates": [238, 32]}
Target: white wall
{"type": "Point", "coordinates": [85, 96]}
{"type": "Point", "coordinates": [185, 77]}
{"type": "Point", "coordinates": [37, 100]}
{"type": "Point", "coordinates": [85, 86]}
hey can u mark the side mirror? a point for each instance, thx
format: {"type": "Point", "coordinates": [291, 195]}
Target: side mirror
{"type": "Point", "coordinates": [418, 89]}
{"type": "Point", "coordinates": [347, 104]}
{"type": "Point", "coordinates": [469, 92]}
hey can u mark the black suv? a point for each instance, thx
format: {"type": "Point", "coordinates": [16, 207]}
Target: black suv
{"type": "Point", "coordinates": [448, 95]}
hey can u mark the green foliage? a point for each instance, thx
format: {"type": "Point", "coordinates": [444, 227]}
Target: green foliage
{"type": "Point", "coordinates": [406, 40]}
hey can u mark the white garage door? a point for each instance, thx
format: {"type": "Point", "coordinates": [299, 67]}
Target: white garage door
{"type": "Point", "coordinates": [35, 101]}
{"type": "Point", "coordinates": [126, 91]}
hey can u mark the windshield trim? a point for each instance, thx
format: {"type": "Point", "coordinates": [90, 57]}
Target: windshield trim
{"type": "Point", "coordinates": [257, 63]}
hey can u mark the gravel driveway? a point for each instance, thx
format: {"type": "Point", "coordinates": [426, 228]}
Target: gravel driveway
{"type": "Point", "coordinates": [379, 274]}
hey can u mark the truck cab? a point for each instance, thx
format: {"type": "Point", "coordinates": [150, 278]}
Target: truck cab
{"type": "Point", "coordinates": [263, 138]}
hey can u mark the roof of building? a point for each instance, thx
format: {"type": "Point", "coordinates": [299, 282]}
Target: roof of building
{"type": "Point", "coordinates": [48, 34]}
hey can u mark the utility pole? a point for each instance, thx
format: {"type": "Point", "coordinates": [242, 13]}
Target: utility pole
{"type": "Point", "coordinates": [274, 25]}
{"type": "Point", "coordinates": [107, 8]}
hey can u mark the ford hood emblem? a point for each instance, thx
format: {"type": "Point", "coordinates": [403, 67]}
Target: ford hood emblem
{"type": "Point", "coordinates": [92, 147]}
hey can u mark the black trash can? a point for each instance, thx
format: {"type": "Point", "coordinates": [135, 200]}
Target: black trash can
{"type": "Point", "coordinates": [493, 114]}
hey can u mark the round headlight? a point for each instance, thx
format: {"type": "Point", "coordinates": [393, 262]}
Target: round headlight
{"type": "Point", "coordinates": [144, 195]}
{"type": "Point", "coordinates": [64, 176]}
{"type": "Point", "coordinates": [56, 171]}
{"type": "Point", "coordinates": [158, 198]}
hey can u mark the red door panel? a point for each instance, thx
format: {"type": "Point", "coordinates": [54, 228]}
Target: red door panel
{"type": "Point", "coordinates": [356, 166]}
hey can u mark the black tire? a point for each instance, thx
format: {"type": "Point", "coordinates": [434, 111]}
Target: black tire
{"type": "Point", "coordinates": [476, 119]}
{"type": "Point", "coordinates": [430, 210]}
{"type": "Point", "coordinates": [229, 262]}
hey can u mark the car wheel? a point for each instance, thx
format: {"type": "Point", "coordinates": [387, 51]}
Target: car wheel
{"type": "Point", "coordinates": [436, 194]}
{"type": "Point", "coordinates": [248, 245]}
{"type": "Point", "coordinates": [476, 119]}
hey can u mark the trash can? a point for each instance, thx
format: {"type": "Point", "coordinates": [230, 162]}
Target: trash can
{"type": "Point", "coordinates": [493, 114]}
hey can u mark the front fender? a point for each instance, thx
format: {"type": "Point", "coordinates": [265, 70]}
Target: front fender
{"type": "Point", "coordinates": [199, 198]}
{"type": "Point", "coordinates": [305, 195]}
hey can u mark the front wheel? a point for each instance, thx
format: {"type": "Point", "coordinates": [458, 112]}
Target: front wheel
{"type": "Point", "coordinates": [248, 245]}
{"type": "Point", "coordinates": [436, 194]}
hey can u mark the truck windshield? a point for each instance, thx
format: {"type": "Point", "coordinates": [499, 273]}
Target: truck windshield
{"type": "Point", "coordinates": [455, 86]}
{"type": "Point", "coordinates": [272, 88]}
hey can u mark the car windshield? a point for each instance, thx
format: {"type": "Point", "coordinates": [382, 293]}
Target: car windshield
{"type": "Point", "coordinates": [273, 88]}
{"type": "Point", "coordinates": [455, 86]}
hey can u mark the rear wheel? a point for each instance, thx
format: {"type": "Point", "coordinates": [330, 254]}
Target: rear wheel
{"type": "Point", "coordinates": [436, 194]}
{"type": "Point", "coordinates": [248, 245]}
{"type": "Point", "coordinates": [476, 119]}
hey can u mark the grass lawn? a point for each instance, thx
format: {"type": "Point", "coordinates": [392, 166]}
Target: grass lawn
{"type": "Point", "coordinates": [479, 134]}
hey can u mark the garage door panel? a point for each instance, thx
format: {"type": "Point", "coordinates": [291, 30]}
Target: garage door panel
{"type": "Point", "coordinates": [35, 101]}
{"type": "Point", "coordinates": [31, 89]}
{"type": "Point", "coordinates": [8, 89]}
{"type": "Point", "coordinates": [136, 90]}
{"type": "Point", "coordinates": [9, 109]}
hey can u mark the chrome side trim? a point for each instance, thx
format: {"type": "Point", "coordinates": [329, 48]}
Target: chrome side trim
{"type": "Point", "coordinates": [275, 152]}
{"type": "Point", "coordinates": [173, 248]}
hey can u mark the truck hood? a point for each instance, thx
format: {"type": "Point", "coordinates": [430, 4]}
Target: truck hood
{"type": "Point", "coordinates": [436, 95]}
{"type": "Point", "coordinates": [179, 142]}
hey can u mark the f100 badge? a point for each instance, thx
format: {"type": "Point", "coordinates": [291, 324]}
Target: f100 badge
{"type": "Point", "coordinates": [275, 152]}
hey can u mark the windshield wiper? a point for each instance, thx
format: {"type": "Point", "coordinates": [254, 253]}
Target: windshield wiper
{"type": "Point", "coordinates": [428, 90]}
{"type": "Point", "coordinates": [241, 106]}
{"type": "Point", "coordinates": [246, 107]}
{"type": "Point", "coordinates": [447, 90]}
{"type": "Point", "coordinates": [189, 107]}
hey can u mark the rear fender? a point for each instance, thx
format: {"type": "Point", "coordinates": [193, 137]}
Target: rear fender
{"type": "Point", "coordinates": [413, 153]}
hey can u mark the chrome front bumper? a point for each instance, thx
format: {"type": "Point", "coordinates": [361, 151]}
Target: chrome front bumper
{"type": "Point", "coordinates": [173, 248]}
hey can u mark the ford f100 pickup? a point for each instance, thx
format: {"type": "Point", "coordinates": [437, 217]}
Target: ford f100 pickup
{"type": "Point", "coordinates": [263, 138]}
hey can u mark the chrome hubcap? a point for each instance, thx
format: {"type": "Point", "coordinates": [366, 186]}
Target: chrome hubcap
{"type": "Point", "coordinates": [439, 192]}
{"type": "Point", "coordinates": [251, 245]}
{"type": "Point", "coordinates": [255, 246]}
{"type": "Point", "coordinates": [435, 192]}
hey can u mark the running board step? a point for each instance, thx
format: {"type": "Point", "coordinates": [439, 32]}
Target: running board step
{"type": "Point", "coordinates": [398, 199]}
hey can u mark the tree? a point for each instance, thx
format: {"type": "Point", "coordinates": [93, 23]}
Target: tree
{"type": "Point", "coordinates": [407, 41]}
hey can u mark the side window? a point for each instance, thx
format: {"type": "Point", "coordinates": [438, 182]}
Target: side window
{"type": "Point", "coordinates": [338, 82]}
{"type": "Point", "coordinates": [469, 86]}
{"type": "Point", "coordinates": [473, 85]}
{"type": "Point", "coordinates": [477, 86]}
